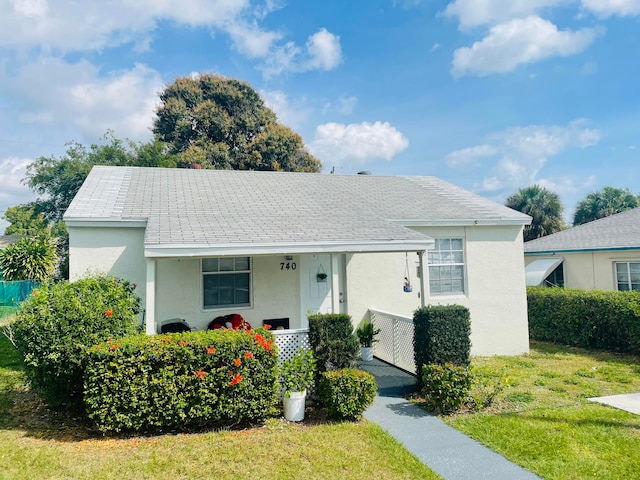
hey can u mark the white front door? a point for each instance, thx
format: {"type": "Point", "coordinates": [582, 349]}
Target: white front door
{"type": "Point", "coordinates": [315, 293]}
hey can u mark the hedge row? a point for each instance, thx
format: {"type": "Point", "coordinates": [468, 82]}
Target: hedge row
{"type": "Point", "coordinates": [177, 381]}
{"type": "Point", "coordinates": [598, 319]}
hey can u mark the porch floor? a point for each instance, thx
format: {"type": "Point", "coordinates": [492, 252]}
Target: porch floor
{"type": "Point", "coordinates": [392, 381]}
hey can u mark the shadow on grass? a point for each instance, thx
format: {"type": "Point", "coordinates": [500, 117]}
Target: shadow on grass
{"type": "Point", "coordinates": [547, 348]}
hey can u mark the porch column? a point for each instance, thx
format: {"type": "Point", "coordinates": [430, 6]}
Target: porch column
{"type": "Point", "coordinates": [335, 284]}
{"type": "Point", "coordinates": [421, 259]}
{"type": "Point", "coordinates": [150, 306]}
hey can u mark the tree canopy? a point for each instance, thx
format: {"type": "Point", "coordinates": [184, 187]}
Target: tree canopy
{"type": "Point", "coordinates": [543, 205]}
{"type": "Point", "coordinates": [604, 202]}
{"type": "Point", "coordinates": [223, 123]}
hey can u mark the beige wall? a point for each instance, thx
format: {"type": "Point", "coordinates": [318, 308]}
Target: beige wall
{"type": "Point", "coordinates": [179, 292]}
{"type": "Point", "coordinates": [495, 286]}
{"type": "Point", "coordinates": [113, 251]}
{"type": "Point", "coordinates": [591, 270]}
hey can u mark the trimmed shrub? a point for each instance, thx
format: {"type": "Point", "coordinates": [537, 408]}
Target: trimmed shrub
{"type": "Point", "coordinates": [333, 341]}
{"type": "Point", "coordinates": [347, 393]}
{"type": "Point", "coordinates": [441, 335]}
{"type": "Point", "coordinates": [608, 320]}
{"type": "Point", "coordinates": [183, 380]}
{"type": "Point", "coordinates": [58, 322]}
{"type": "Point", "coordinates": [445, 388]}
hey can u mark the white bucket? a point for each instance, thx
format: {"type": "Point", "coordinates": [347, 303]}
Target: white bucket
{"type": "Point", "coordinates": [294, 405]}
{"type": "Point", "coordinates": [366, 353]}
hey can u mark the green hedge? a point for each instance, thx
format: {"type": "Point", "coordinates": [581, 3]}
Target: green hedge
{"type": "Point", "coordinates": [347, 393]}
{"type": "Point", "coordinates": [445, 388]}
{"type": "Point", "coordinates": [599, 319]}
{"type": "Point", "coordinates": [178, 381]}
{"type": "Point", "coordinates": [58, 322]}
{"type": "Point", "coordinates": [333, 341]}
{"type": "Point", "coordinates": [441, 335]}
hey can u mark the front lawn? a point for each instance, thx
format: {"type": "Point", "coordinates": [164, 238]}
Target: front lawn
{"type": "Point", "coordinates": [36, 442]}
{"type": "Point", "coordinates": [543, 421]}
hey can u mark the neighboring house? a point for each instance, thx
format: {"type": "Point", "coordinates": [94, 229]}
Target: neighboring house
{"type": "Point", "coordinates": [204, 243]}
{"type": "Point", "coordinates": [603, 254]}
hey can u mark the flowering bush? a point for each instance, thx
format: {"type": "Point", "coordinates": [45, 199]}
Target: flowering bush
{"type": "Point", "coordinates": [58, 322]}
{"type": "Point", "coordinates": [178, 381]}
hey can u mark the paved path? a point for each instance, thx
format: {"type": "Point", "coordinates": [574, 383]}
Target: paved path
{"type": "Point", "coordinates": [629, 402]}
{"type": "Point", "coordinates": [442, 448]}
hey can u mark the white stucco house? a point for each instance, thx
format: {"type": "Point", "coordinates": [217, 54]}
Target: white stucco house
{"type": "Point", "coordinates": [603, 254]}
{"type": "Point", "coordinates": [203, 243]}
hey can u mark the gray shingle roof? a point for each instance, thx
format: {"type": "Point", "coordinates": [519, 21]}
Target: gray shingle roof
{"type": "Point", "coordinates": [209, 207]}
{"type": "Point", "coordinates": [620, 231]}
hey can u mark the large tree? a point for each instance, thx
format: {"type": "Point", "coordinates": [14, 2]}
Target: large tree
{"type": "Point", "coordinates": [543, 205]}
{"type": "Point", "coordinates": [604, 202]}
{"type": "Point", "coordinates": [223, 123]}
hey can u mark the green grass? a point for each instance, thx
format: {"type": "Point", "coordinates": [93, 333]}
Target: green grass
{"type": "Point", "coordinates": [543, 421]}
{"type": "Point", "coordinates": [36, 442]}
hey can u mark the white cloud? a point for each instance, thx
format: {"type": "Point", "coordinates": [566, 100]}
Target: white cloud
{"type": "Point", "coordinates": [357, 142]}
{"type": "Point", "coordinates": [521, 152]}
{"type": "Point", "coordinates": [291, 113]}
{"type": "Point", "coordinates": [322, 52]}
{"type": "Point", "coordinates": [347, 104]}
{"type": "Point", "coordinates": [473, 13]}
{"type": "Point", "coordinates": [608, 8]}
{"type": "Point", "coordinates": [518, 42]}
{"type": "Point", "coordinates": [54, 93]}
{"type": "Point", "coordinates": [251, 41]}
{"type": "Point", "coordinates": [69, 25]}
{"type": "Point", "coordinates": [469, 155]}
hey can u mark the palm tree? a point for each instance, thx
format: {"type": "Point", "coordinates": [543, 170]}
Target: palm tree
{"type": "Point", "coordinates": [543, 205]}
{"type": "Point", "coordinates": [604, 202]}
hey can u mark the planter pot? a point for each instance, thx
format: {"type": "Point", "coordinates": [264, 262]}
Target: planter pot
{"type": "Point", "coordinates": [294, 405]}
{"type": "Point", "coordinates": [366, 353]}
{"type": "Point", "coordinates": [408, 288]}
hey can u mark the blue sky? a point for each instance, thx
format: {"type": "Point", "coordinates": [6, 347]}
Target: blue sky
{"type": "Point", "coordinates": [490, 95]}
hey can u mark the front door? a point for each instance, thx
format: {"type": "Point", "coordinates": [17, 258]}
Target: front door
{"type": "Point", "coordinates": [315, 291]}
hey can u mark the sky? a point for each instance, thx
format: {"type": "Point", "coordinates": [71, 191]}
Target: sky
{"type": "Point", "coordinates": [490, 95]}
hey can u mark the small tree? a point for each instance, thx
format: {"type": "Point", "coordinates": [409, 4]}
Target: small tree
{"type": "Point", "coordinates": [30, 258]}
{"type": "Point", "coordinates": [543, 205]}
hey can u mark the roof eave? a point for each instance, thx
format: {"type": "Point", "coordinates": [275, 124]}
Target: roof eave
{"type": "Point", "coordinates": [105, 222]}
{"type": "Point", "coordinates": [463, 222]}
{"type": "Point", "coordinates": [580, 250]}
{"type": "Point", "coordinates": [292, 248]}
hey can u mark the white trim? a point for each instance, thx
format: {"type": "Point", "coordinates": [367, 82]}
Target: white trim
{"type": "Point", "coordinates": [248, 306]}
{"type": "Point", "coordinates": [253, 249]}
{"type": "Point", "coordinates": [150, 310]}
{"type": "Point", "coordinates": [462, 222]}
{"type": "Point", "coordinates": [106, 222]}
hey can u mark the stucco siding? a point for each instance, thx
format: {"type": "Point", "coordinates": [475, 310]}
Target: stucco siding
{"type": "Point", "coordinates": [275, 292]}
{"type": "Point", "coordinates": [591, 270]}
{"type": "Point", "coordinates": [113, 251]}
{"type": "Point", "coordinates": [494, 286]}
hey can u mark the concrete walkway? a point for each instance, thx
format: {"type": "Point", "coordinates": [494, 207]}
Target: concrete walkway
{"type": "Point", "coordinates": [442, 448]}
{"type": "Point", "coordinates": [629, 402]}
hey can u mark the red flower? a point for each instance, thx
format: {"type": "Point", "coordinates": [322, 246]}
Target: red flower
{"type": "Point", "coordinates": [267, 346]}
{"type": "Point", "coordinates": [211, 350]}
{"type": "Point", "coordinates": [35, 293]}
{"type": "Point", "coordinates": [114, 346]}
{"type": "Point", "coordinates": [108, 313]}
{"type": "Point", "coordinates": [201, 374]}
{"type": "Point", "coordinates": [248, 355]}
{"type": "Point", "coordinates": [235, 380]}
{"type": "Point", "coordinates": [110, 339]}
{"type": "Point", "coordinates": [237, 362]}
{"type": "Point", "coordinates": [166, 340]}
{"type": "Point", "coordinates": [183, 343]}
{"type": "Point", "coordinates": [267, 326]}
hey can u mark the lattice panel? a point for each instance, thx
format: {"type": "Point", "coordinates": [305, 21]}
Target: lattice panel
{"type": "Point", "coordinates": [289, 342]}
{"type": "Point", "coordinates": [395, 340]}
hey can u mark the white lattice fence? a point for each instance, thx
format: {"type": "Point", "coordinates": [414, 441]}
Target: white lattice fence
{"type": "Point", "coordinates": [289, 341]}
{"type": "Point", "coordinates": [395, 340]}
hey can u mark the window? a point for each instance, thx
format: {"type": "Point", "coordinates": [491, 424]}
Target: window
{"type": "Point", "coordinates": [446, 267]}
{"type": "Point", "coordinates": [226, 282]}
{"type": "Point", "coordinates": [555, 278]}
{"type": "Point", "coordinates": [628, 276]}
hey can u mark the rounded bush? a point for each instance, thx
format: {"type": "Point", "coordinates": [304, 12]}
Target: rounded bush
{"type": "Point", "coordinates": [59, 322]}
{"type": "Point", "coordinates": [445, 387]}
{"type": "Point", "coordinates": [347, 393]}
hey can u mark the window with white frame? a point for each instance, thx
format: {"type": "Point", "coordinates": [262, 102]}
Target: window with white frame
{"type": "Point", "coordinates": [628, 276]}
{"type": "Point", "coordinates": [226, 282]}
{"type": "Point", "coordinates": [446, 267]}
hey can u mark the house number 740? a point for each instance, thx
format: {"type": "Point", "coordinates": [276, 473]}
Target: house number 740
{"type": "Point", "coordinates": [288, 265]}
